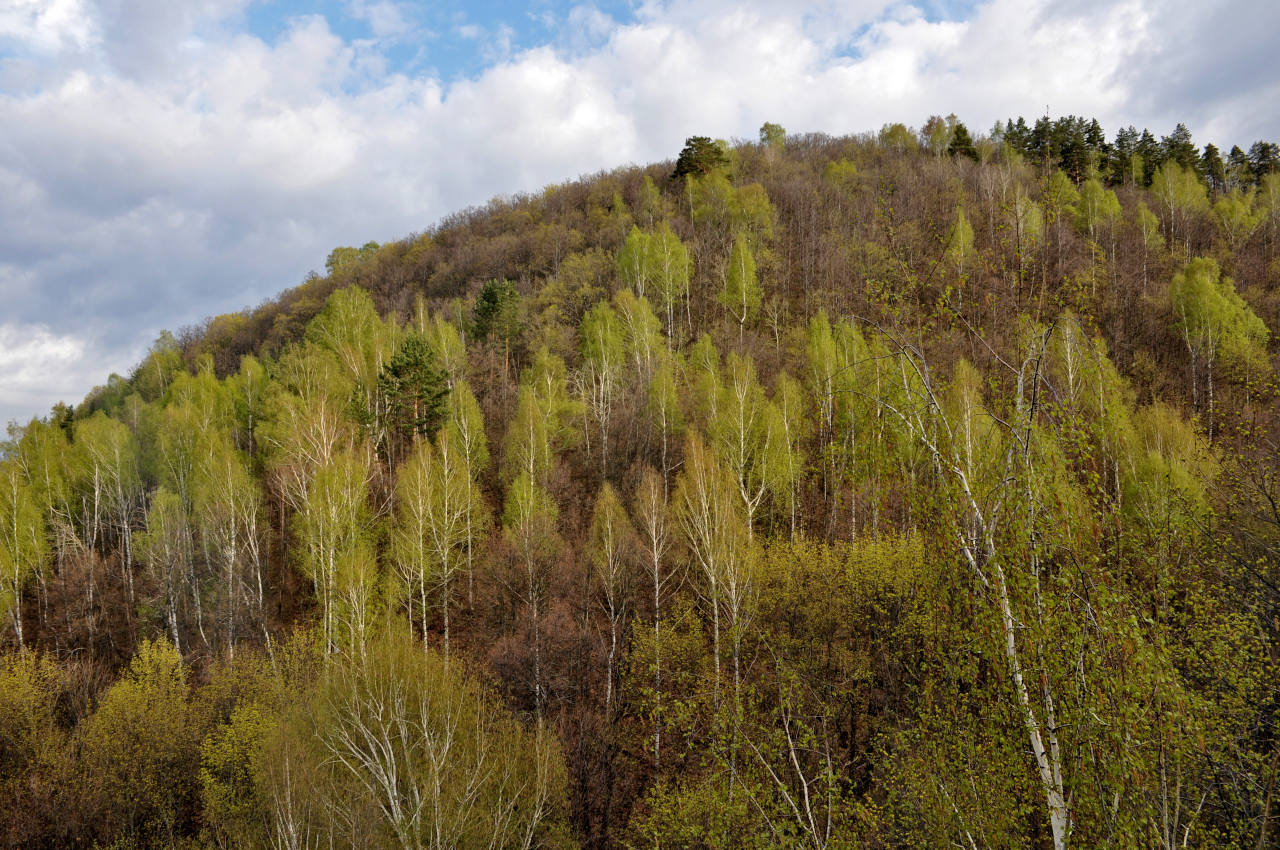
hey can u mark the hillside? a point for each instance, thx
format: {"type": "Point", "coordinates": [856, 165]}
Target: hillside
{"type": "Point", "coordinates": [896, 490]}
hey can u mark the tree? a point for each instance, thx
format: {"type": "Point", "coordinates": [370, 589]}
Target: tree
{"type": "Point", "coordinates": [498, 314]}
{"type": "Point", "coordinates": [466, 430]}
{"type": "Point", "coordinates": [961, 143]}
{"type": "Point", "coordinates": [898, 137]}
{"type": "Point", "coordinates": [790, 428]}
{"type": "Point", "coordinates": [529, 525]}
{"type": "Point", "coordinates": [744, 428]}
{"type": "Point", "coordinates": [435, 500]}
{"type": "Point", "coordinates": [1239, 169]}
{"type": "Point", "coordinates": [610, 545]}
{"type": "Point", "coordinates": [772, 135]}
{"type": "Point", "coordinates": [446, 344]}
{"type": "Point", "coordinates": [603, 353]}
{"type": "Point", "coordinates": [415, 390]}
{"type": "Point", "coordinates": [349, 326]}
{"type": "Point", "coordinates": [672, 269]}
{"type": "Point", "coordinates": [936, 135]}
{"type": "Point", "coordinates": [709, 510]}
{"type": "Point", "coordinates": [338, 556]}
{"type": "Point", "coordinates": [960, 251]}
{"type": "Point", "coordinates": [1264, 158]}
{"type": "Point", "coordinates": [23, 542]}
{"type": "Point", "coordinates": [345, 258]}
{"type": "Point", "coordinates": [1239, 216]}
{"type": "Point", "coordinates": [1177, 147]}
{"type": "Point", "coordinates": [662, 404]}
{"type": "Point", "coordinates": [742, 292]}
{"type": "Point", "coordinates": [33, 749]}
{"type": "Point", "coordinates": [652, 514]}
{"type": "Point", "coordinates": [1216, 324]}
{"type": "Point", "coordinates": [641, 331]}
{"type": "Point", "coordinates": [417, 756]}
{"type": "Point", "coordinates": [140, 750]}
{"type": "Point", "coordinates": [773, 138]}
{"type": "Point", "coordinates": [1181, 196]}
{"type": "Point", "coordinates": [1213, 168]}
{"type": "Point", "coordinates": [109, 469]}
{"type": "Point", "coordinates": [1149, 229]}
{"type": "Point", "coordinates": [227, 506]}
{"type": "Point", "coordinates": [166, 549]}
{"type": "Point", "coordinates": [1098, 207]}
{"type": "Point", "coordinates": [699, 156]}
{"type": "Point", "coordinates": [635, 261]}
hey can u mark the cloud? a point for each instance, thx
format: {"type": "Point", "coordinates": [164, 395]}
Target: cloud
{"type": "Point", "coordinates": [161, 164]}
{"type": "Point", "coordinates": [47, 26]}
{"type": "Point", "coordinates": [35, 362]}
{"type": "Point", "coordinates": [387, 21]}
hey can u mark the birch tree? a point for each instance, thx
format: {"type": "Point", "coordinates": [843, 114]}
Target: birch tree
{"type": "Point", "coordinates": [1216, 324]}
{"type": "Point", "coordinates": [435, 497]}
{"type": "Point", "coordinates": [337, 555]}
{"type": "Point", "coordinates": [610, 560]}
{"type": "Point", "coordinates": [742, 293]}
{"type": "Point", "coordinates": [652, 512]}
{"type": "Point", "coordinates": [466, 428]}
{"type": "Point", "coordinates": [603, 353]}
{"type": "Point", "coordinates": [24, 545]}
{"type": "Point", "coordinates": [997, 535]}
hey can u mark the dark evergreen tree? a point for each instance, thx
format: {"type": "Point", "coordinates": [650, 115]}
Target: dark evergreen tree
{"type": "Point", "coordinates": [1264, 158]}
{"type": "Point", "coordinates": [414, 388]}
{"type": "Point", "coordinates": [962, 142]}
{"type": "Point", "coordinates": [497, 311]}
{"type": "Point", "coordinates": [1178, 147]}
{"type": "Point", "coordinates": [1121, 154]}
{"type": "Point", "coordinates": [700, 156]}
{"type": "Point", "coordinates": [1017, 135]}
{"type": "Point", "coordinates": [1213, 168]}
{"type": "Point", "coordinates": [1152, 156]}
{"type": "Point", "coordinates": [1239, 169]}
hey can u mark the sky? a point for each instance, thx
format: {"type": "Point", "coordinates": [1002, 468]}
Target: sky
{"type": "Point", "coordinates": [163, 161]}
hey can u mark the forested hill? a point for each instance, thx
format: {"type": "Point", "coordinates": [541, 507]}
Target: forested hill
{"type": "Point", "coordinates": [896, 490]}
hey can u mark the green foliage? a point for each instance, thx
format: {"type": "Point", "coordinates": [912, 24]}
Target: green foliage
{"type": "Point", "coordinates": [672, 269]}
{"type": "Point", "coordinates": [436, 506]}
{"type": "Point", "coordinates": [1098, 207]}
{"type": "Point", "coordinates": [961, 143]}
{"type": "Point", "coordinates": [497, 312]}
{"type": "Point", "coordinates": [140, 749]}
{"type": "Point", "coordinates": [345, 259]}
{"type": "Point", "coordinates": [936, 135]}
{"type": "Point", "coordinates": [772, 135]}
{"type": "Point", "coordinates": [414, 389]}
{"type": "Point", "coordinates": [24, 542]}
{"type": "Point", "coordinates": [699, 156]}
{"type": "Point", "coordinates": [898, 137]}
{"type": "Point", "coordinates": [1215, 320]}
{"type": "Point", "coordinates": [974, 576]}
{"type": "Point", "coordinates": [742, 292]}
{"type": "Point", "coordinates": [635, 261]}
{"type": "Point", "coordinates": [1238, 215]}
{"type": "Point", "coordinates": [413, 754]}
{"type": "Point", "coordinates": [334, 533]}
{"type": "Point", "coordinates": [960, 245]}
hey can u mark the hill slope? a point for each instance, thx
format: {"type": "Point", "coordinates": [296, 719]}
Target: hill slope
{"type": "Point", "coordinates": [892, 490]}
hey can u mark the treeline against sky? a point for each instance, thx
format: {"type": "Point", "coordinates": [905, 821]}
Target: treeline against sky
{"type": "Point", "coordinates": [896, 490]}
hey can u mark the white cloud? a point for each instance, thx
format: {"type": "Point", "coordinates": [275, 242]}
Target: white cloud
{"type": "Point", "coordinates": [37, 366]}
{"type": "Point", "coordinates": [168, 165]}
{"type": "Point", "coordinates": [47, 26]}
{"type": "Point", "coordinates": [387, 21]}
